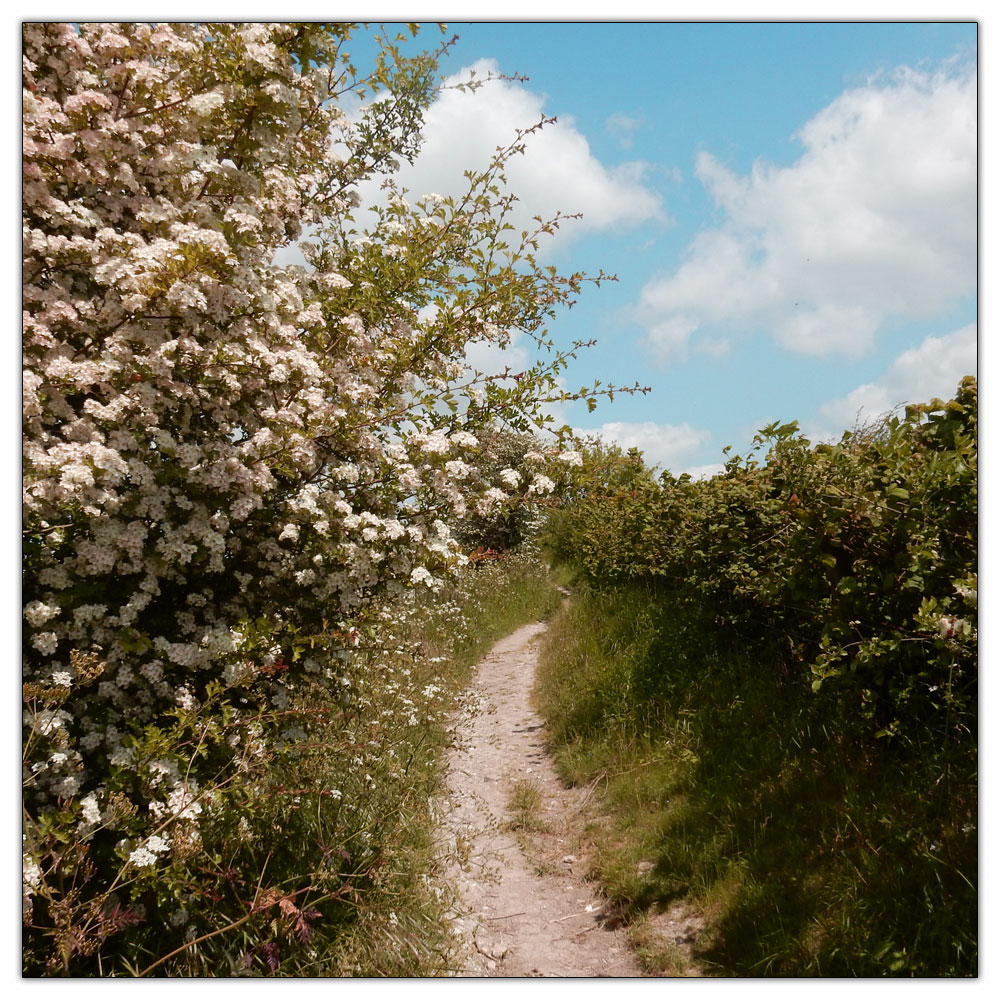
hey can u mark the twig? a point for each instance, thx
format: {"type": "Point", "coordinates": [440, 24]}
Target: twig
{"type": "Point", "coordinates": [222, 930]}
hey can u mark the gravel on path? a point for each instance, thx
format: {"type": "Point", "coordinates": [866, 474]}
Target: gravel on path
{"type": "Point", "coordinates": [519, 915]}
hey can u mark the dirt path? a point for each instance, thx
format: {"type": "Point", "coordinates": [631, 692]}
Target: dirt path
{"type": "Point", "coordinates": [520, 913]}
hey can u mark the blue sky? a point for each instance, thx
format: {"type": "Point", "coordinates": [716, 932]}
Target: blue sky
{"type": "Point", "coordinates": [790, 209]}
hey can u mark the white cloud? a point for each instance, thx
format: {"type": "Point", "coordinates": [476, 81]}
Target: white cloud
{"type": "Point", "coordinates": [704, 471]}
{"type": "Point", "coordinates": [875, 222]}
{"type": "Point", "coordinates": [667, 445]}
{"type": "Point", "coordinates": [491, 359]}
{"type": "Point", "coordinates": [623, 127]}
{"type": "Point", "coordinates": [556, 172]}
{"type": "Point", "coordinates": [933, 368]}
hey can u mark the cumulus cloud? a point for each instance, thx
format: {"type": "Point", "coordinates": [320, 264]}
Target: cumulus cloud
{"type": "Point", "coordinates": [875, 222]}
{"type": "Point", "coordinates": [932, 369]}
{"type": "Point", "coordinates": [623, 127]}
{"type": "Point", "coordinates": [491, 359]}
{"type": "Point", "coordinates": [666, 445]}
{"type": "Point", "coordinates": [704, 471]}
{"type": "Point", "coordinates": [556, 172]}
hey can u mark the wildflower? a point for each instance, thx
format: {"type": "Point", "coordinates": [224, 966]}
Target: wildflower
{"type": "Point", "coordinates": [91, 810]}
{"type": "Point", "coordinates": [142, 857]}
{"type": "Point", "coordinates": [158, 844]}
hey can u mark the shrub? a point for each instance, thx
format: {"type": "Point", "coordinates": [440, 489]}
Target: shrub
{"type": "Point", "coordinates": [230, 466]}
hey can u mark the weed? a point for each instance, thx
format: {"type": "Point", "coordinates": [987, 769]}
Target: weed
{"type": "Point", "coordinates": [524, 803]}
{"type": "Point", "coordinates": [805, 850]}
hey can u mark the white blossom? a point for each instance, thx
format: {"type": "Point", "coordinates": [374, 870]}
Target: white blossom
{"type": "Point", "coordinates": [91, 810]}
{"type": "Point", "coordinates": [142, 857]}
{"type": "Point", "coordinates": [38, 612]}
{"type": "Point", "coordinates": [541, 484]}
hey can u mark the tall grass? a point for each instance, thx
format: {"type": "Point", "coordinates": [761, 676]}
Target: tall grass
{"type": "Point", "coordinates": [741, 794]}
{"type": "Point", "coordinates": [328, 865]}
{"type": "Point", "coordinates": [397, 925]}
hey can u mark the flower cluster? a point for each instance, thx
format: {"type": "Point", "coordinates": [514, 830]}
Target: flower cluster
{"type": "Point", "coordinates": [222, 454]}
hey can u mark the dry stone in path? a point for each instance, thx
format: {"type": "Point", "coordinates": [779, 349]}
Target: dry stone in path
{"type": "Point", "coordinates": [518, 914]}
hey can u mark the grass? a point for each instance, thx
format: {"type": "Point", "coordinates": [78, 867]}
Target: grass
{"type": "Point", "coordinates": [339, 828]}
{"type": "Point", "coordinates": [524, 803]}
{"type": "Point", "coordinates": [748, 800]}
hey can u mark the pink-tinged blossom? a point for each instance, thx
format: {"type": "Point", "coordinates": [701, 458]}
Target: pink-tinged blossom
{"type": "Point", "coordinates": [211, 438]}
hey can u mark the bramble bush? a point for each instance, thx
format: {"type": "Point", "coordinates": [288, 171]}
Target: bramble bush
{"type": "Point", "coordinates": [854, 563]}
{"type": "Point", "coordinates": [232, 467]}
{"type": "Point", "coordinates": [774, 672]}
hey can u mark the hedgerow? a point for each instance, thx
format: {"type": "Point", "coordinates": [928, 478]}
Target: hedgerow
{"type": "Point", "coordinates": [854, 563]}
{"type": "Point", "coordinates": [231, 466]}
{"type": "Point", "coordinates": [772, 677]}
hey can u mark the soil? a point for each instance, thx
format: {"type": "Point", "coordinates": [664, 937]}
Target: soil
{"type": "Point", "coordinates": [523, 907]}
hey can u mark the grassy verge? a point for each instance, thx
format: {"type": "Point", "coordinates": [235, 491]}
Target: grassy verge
{"type": "Point", "coordinates": [746, 809]}
{"type": "Point", "coordinates": [327, 868]}
{"type": "Point", "coordinates": [400, 929]}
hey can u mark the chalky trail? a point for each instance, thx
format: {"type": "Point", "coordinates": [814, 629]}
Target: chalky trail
{"type": "Point", "coordinates": [519, 916]}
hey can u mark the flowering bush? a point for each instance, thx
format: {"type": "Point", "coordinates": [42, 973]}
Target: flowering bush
{"type": "Point", "coordinates": [229, 463]}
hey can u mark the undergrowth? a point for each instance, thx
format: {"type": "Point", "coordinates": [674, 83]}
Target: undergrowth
{"type": "Point", "coordinates": [806, 849]}
{"type": "Point", "coordinates": [327, 867]}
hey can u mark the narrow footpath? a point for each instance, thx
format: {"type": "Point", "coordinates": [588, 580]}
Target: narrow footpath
{"type": "Point", "coordinates": [520, 911]}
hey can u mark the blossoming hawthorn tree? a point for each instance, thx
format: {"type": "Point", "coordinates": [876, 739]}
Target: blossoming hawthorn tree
{"type": "Point", "coordinates": [224, 457]}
